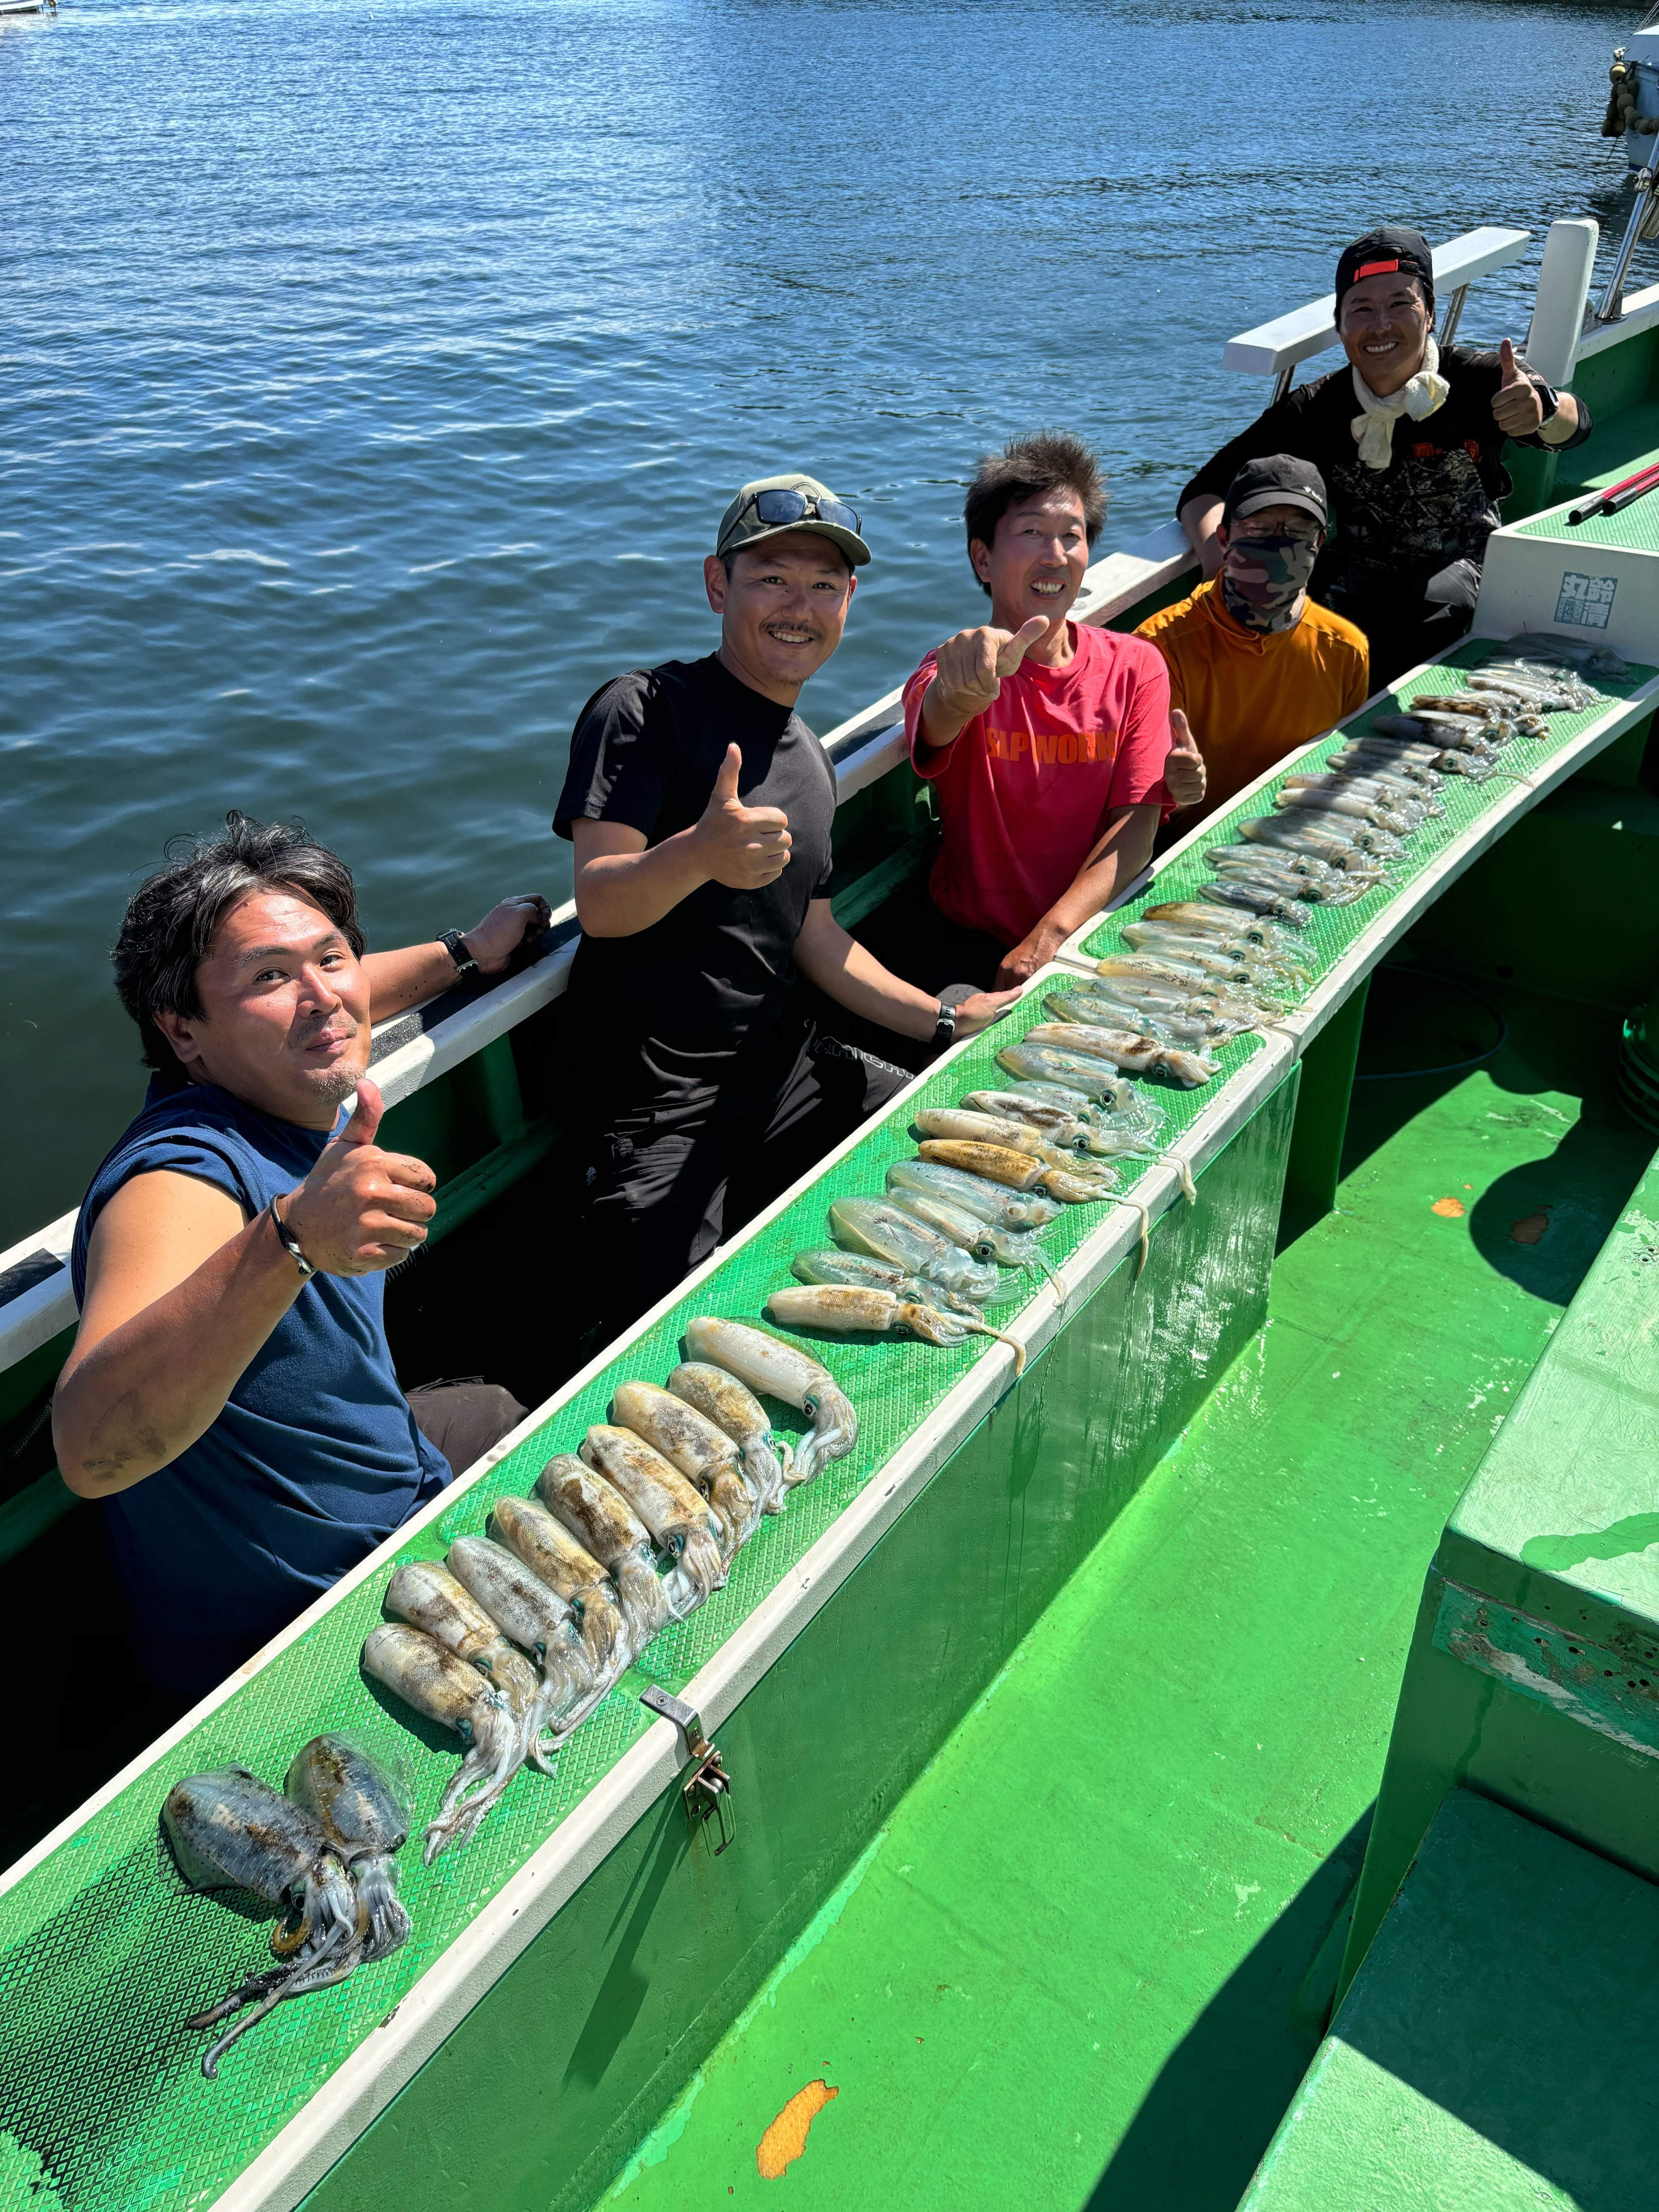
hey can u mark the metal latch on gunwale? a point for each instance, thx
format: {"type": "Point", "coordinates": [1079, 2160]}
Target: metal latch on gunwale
{"type": "Point", "coordinates": [706, 1792]}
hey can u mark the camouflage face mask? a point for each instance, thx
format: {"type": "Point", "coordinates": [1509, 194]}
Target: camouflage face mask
{"type": "Point", "coordinates": [1263, 580]}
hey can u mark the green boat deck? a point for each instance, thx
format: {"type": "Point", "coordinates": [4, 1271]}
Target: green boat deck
{"type": "Point", "coordinates": [1091, 1952]}
{"type": "Point", "coordinates": [1507, 1945]}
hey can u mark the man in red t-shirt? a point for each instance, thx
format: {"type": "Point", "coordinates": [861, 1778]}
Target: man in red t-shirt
{"type": "Point", "coordinates": [1047, 740]}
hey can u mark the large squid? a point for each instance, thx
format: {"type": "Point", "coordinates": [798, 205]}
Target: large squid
{"type": "Point", "coordinates": [228, 1830]}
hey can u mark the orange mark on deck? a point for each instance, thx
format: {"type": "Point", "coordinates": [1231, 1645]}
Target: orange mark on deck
{"type": "Point", "coordinates": [785, 2139]}
{"type": "Point", "coordinates": [1530, 1227]}
{"type": "Point", "coordinates": [1453, 1208]}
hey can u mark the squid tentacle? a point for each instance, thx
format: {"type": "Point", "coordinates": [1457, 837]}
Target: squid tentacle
{"type": "Point", "coordinates": [384, 1916]}
{"type": "Point", "coordinates": [699, 1572]}
{"type": "Point", "coordinates": [1145, 1232]}
{"type": "Point", "coordinates": [313, 1970]}
{"type": "Point", "coordinates": [328, 1902]}
{"type": "Point", "coordinates": [497, 1753]}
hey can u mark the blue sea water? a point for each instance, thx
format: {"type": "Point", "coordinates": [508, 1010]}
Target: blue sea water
{"type": "Point", "coordinates": [374, 374]}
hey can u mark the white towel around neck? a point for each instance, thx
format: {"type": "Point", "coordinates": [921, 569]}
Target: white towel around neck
{"type": "Point", "coordinates": [1419, 396]}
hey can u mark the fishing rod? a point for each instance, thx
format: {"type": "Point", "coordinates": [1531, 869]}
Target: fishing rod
{"type": "Point", "coordinates": [1619, 496]}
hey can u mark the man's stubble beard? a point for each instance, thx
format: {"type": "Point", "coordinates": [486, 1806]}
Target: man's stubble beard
{"type": "Point", "coordinates": [332, 1086]}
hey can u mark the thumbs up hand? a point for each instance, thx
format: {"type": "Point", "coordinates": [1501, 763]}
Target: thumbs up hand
{"type": "Point", "coordinates": [745, 847]}
{"type": "Point", "coordinates": [971, 667]}
{"type": "Point", "coordinates": [360, 1209]}
{"type": "Point", "coordinates": [1184, 766]}
{"type": "Point", "coordinates": [1515, 406]}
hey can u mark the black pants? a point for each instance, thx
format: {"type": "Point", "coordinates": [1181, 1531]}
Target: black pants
{"type": "Point", "coordinates": [911, 937]}
{"type": "Point", "coordinates": [464, 1418]}
{"type": "Point", "coordinates": [668, 1184]}
{"type": "Point", "coordinates": [1400, 641]}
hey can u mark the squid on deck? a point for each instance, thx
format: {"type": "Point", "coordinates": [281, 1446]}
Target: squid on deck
{"type": "Point", "coordinates": [846, 1310]}
{"type": "Point", "coordinates": [766, 1363]}
{"type": "Point", "coordinates": [591, 1516]}
{"type": "Point", "coordinates": [540, 1622]}
{"type": "Point", "coordinates": [445, 1689]}
{"type": "Point", "coordinates": [229, 1830]}
{"type": "Point", "coordinates": [736, 1411]}
{"type": "Point", "coordinates": [689, 1528]}
{"type": "Point", "coordinates": [364, 1813]}
{"type": "Point", "coordinates": [701, 1451]}
{"type": "Point", "coordinates": [887, 1232]}
{"type": "Point", "coordinates": [570, 1568]}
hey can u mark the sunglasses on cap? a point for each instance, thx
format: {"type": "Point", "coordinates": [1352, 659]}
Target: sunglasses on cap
{"type": "Point", "coordinates": [780, 504]}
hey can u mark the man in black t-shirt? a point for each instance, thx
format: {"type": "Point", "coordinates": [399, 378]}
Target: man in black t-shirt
{"type": "Point", "coordinates": [1409, 440]}
{"type": "Point", "coordinates": [701, 807]}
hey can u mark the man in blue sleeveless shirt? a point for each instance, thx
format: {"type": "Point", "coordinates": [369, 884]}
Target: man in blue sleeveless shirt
{"type": "Point", "coordinates": [231, 1396]}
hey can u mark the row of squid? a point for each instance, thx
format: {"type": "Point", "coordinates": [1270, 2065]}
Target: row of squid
{"type": "Point", "coordinates": [1194, 971]}
{"type": "Point", "coordinates": [519, 1633]}
{"type": "Point", "coordinates": [511, 1643]}
{"type": "Point", "coordinates": [926, 1257]}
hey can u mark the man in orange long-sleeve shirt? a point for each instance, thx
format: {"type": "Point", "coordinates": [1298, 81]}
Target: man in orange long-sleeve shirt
{"type": "Point", "coordinates": [1257, 668]}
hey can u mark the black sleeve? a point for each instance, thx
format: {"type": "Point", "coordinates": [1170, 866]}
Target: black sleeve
{"type": "Point", "coordinates": [619, 769]}
{"type": "Point", "coordinates": [827, 882]}
{"type": "Point", "coordinates": [1281, 428]}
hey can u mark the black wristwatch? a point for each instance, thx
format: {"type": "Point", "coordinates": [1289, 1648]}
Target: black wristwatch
{"type": "Point", "coordinates": [944, 1029]}
{"type": "Point", "coordinates": [455, 945]}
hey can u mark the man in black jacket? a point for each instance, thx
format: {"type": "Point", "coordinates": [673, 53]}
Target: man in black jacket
{"type": "Point", "coordinates": [1409, 442]}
